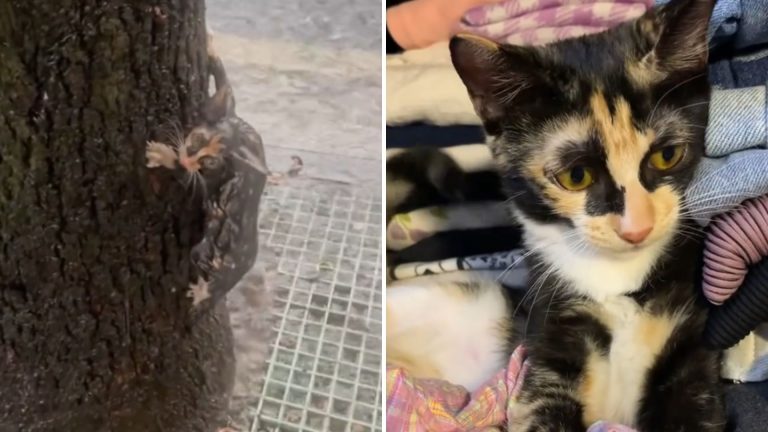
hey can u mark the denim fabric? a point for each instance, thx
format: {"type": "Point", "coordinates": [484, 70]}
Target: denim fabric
{"type": "Point", "coordinates": [738, 120]}
{"type": "Point", "coordinates": [741, 23]}
{"type": "Point", "coordinates": [745, 70]}
{"type": "Point", "coordinates": [723, 183]}
{"type": "Point", "coordinates": [735, 167]}
{"type": "Point", "coordinates": [736, 164]}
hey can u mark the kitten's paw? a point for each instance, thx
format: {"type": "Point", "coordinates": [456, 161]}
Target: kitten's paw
{"type": "Point", "coordinates": [199, 291]}
{"type": "Point", "coordinates": [159, 154]}
{"type": "Point", "coordinates": [211, 50]}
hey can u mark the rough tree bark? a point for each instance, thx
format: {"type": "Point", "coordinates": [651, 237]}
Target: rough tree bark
{"type": "Point", "coordinates": [94, 334]}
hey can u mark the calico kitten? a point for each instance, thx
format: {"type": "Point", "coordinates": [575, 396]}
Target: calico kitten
{"type": "Point", "coordinates": [224, 157]}
{"type": "Point", "coordinates": [596, 140]}
{"type": "Point", "coordinates": [224, 161]}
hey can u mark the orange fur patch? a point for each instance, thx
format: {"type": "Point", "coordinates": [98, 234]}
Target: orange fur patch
{"type": "Point", "coordinates": [213, 148]}
{"type": "Point", "coordinates": [624, 145]}
{"type": "Point", "coordinates": [591, 386]}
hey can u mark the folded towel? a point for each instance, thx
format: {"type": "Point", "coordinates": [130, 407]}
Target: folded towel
{"type": "Point", "coordinates": [737, 134]}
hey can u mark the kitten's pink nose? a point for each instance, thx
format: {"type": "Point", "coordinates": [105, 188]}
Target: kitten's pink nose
{"type": "Point", "coordinates": [638, 218]}
{"type": "Point", "coordinates": [637, 236]}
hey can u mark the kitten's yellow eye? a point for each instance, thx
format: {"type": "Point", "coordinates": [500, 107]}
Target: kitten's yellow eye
{"type": "Point", "coordinates": [576, 178]}
{"type": "Point", "coordinates": [667, 157]}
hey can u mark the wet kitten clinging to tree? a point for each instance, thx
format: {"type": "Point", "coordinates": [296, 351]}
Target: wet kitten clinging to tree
{"type": "Point", "coordinates": [224, 160]}
{"type": "Point", "coordinates": [223, 163]}
{"type": "Point", "coordinates": [596, 140]}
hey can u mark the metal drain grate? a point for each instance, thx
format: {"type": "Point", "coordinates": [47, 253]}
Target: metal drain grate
{"type": "Point", "coordinates": [324, 369]}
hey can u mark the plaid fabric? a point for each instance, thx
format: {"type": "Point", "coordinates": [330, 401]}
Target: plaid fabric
{"type": "Point", "coordinates": [437, 406]}
{"type": "Point", "coordinates": [538, 22]}
{"type": "Point", "coordinates": [423, 405]}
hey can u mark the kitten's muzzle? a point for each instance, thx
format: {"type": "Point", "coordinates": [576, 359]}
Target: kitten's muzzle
{"type": "Point", "coordinates": [637, 221]}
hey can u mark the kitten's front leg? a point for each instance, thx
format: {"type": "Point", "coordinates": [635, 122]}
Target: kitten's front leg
{"type": "Point", "coordinates": [688, 396]}
{"type": "Point", "coordinates": [546, 404]}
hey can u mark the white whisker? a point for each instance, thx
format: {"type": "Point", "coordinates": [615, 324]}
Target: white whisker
{"type": "Point", "coordinates": [653, 111]}
{"type": "Point", "coordinates": [718, 171]}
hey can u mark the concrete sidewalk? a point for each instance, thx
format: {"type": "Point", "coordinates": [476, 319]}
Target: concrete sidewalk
{"type": "Point", "coordinates": [307, 76]}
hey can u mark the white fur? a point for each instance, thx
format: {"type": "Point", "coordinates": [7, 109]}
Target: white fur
{"type": "Point", "coordinates": [593, 273]}
{"type": "Point", "coordinates": [454, 334]}
{"type": "Point", "coordinates": [199, 291]}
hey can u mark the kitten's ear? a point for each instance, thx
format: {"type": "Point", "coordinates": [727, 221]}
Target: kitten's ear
{"type": "Point", "coordinates": [492, 74]}
{"type": "Point", "coordinates": [220, 105]}
{"type": "Point", "coordinates": [680, 30]}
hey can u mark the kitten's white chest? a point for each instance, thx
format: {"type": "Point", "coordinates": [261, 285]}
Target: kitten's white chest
{"type": "Point", "coordinates": [600, 277]}
{"type": "Point", "coordinates": [597, 275]}
{"type": "Point", "coordinates": [613, 384]}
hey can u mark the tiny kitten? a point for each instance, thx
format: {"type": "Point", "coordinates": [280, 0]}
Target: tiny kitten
{"type": "Point", "coordinates": [224, 157]}
{"type": "Point", "coordinates": [595, 140]}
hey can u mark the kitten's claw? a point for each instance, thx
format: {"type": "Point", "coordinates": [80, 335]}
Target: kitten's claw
{"type": "Point", "coordinates": [159, 154]}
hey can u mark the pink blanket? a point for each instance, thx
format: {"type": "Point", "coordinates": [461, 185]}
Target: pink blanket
{"type": "Point", "coordinates": [538, 22]}
{"type": "Point", "coordinates": [416, 405]}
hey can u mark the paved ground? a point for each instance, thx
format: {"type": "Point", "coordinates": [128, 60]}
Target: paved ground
{"type": "Point", "coordinates": [307, 75]}
{"type": "Point", "coordinates": [324, 372]}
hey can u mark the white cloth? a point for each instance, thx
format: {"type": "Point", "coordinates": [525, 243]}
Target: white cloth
{"type": "Point", "coordinates": [422, 86]}
{"type": "Point", "coordinates": [748, 360]}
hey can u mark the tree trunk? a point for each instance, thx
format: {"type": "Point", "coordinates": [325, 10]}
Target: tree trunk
{"type": "Point", "coordinates": [94, 328]}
